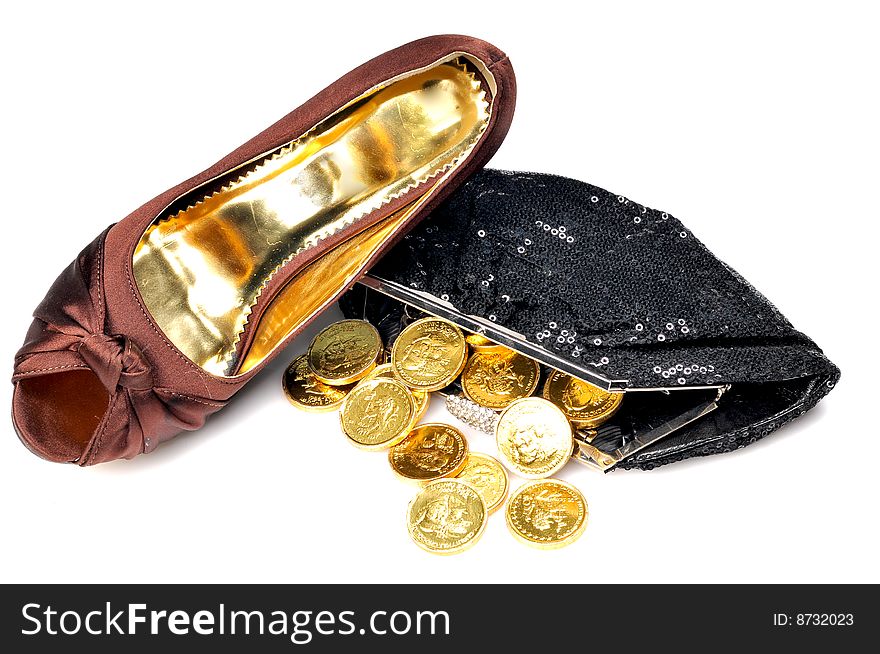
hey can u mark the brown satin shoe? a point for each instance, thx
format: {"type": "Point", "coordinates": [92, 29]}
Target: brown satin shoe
{"type": "Point", "coordinates": [168, 313]}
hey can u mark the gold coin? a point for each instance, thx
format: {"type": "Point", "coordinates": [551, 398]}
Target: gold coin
{"type": "Point", "coordinates": [547, 513]}
{"type": "Point", "coordinates": [429, 354]}
{"type": "Point", "coordinates": [382, 370]}
{"type": "Point", "coordinates": [488, 476]}
{"type": "Point", "coordinates": [582, 403]}
{"type": "Point", "coordinates": [494, 380]}
{"type": "Point", "coordinates": [344, 352]}
{"type": "Point", "coordinates": [377, 413]}
{"type": "Point", "coordinates": [478, 340]}
{"type": "Point", "coordinates": [482, 344]}
{"type": "Point", "coordinates": [307, 392]}
{"type": "Point", "coordinates": [446, 517]}
{"type": "Point", "coordinates": [534, 438]}
{"type": "Point", "coordinates": [429, 452]}
{"type": "Point", "coordinates": [422, 398]}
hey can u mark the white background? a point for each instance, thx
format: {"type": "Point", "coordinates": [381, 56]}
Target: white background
{"type": "Point", "coordinates": [756, 125]}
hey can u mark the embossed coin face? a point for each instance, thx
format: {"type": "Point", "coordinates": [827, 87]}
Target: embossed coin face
{"type": "Point", "coordinates": [422, 398]}
{"type": "Point", "coordinates": [495, 379]}
{"type": "Point", "coordinates": [582, 403]}
{"type": "Point", "coordinates": [429, 452]}
{"type": "Point", "coordinates": [446, 517]}
{"type": "Point", "coordinates": [344, 352]}
{"type": "Point", "coordinates": [377, 413]}
{"type": "Point", "coordinates": [307, 392]}
{"type": "Point", "coordinates": [429, 354]}
{"type": "Point", "coordinates": [534, 438]}
{"type": "Point", "coordinates": [548, 513]}
{"type": "Point", "coordinates": [488, 476]}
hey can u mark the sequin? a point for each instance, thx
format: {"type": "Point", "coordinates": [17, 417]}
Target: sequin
{"type": "Point", "coordinates": [621, 290]}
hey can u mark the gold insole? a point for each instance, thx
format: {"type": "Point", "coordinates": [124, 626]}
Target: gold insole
{"type": "Point", "coordinates": [201, 270]}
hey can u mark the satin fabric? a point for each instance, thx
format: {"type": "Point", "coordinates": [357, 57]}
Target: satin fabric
{"type": "Point", "coordinates": [68, 333]}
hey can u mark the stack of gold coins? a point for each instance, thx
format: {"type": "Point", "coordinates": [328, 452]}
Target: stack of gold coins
{"type": "Point", "coordinates": [383, 393]}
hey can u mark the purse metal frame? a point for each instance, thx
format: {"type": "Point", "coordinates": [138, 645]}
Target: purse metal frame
{"type": "Point", "coordinates": [584, 452]}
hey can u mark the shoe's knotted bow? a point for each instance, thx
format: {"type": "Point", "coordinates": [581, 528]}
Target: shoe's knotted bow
{"type": "Point", "coordinates": [116, 360]}
{"type": "Point", "coordinates": [68, 333]}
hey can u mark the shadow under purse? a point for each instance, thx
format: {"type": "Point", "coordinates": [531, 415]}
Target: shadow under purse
{"type": "Point", "coordinates": [613, 293]}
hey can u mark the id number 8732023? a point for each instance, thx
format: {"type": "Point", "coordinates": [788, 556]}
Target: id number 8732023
{"type": "Point", "coordinates": [813, 619]}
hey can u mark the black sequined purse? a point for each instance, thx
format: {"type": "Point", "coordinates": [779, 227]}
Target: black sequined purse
{"type": "Point", "coordinates": [614, 293]}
